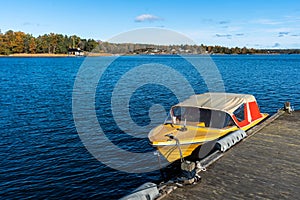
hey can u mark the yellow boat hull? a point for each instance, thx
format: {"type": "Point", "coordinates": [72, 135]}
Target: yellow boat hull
{"type": "Point", "coordinates": [171, 153]}
{"type": "Point", "coordinates": [189, 140]}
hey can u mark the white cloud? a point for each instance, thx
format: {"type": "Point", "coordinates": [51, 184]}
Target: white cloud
{"type": "Point", "coordinates": [279, 33]}
{"type": "Point", "coordinates": [266, 22]}
{"type": "Point", "coordinates": [228, 36]}
{"type": "Point", "coordinates": [224, 22]}
{"type": "Point", "coordinates": [279, 21]}
{"type": "Point", "coordinates": [30, 24]}
{"type": "Point", "coordinates": [147, 17]}
{"type": "Point", "coordinates": [276, 45]}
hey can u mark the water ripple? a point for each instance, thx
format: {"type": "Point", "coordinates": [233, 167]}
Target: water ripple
{"type": "Point", "coordinates": [41, 155]}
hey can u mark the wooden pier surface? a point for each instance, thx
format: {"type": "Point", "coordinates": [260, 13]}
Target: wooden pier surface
{"type": "Point", "coordinates": [265, 166]}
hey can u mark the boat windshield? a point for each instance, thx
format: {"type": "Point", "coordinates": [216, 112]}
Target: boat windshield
{"type": "Point", "coordinates": [195, 116]}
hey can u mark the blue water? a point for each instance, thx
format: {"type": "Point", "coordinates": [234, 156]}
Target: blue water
{"type": "Point", "coordinates": [41, 154]}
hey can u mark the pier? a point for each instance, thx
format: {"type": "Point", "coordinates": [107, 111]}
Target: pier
{"type": "Point", "coordinates": [265, 165]}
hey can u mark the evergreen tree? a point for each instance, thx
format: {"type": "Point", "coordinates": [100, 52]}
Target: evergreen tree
{"type": "Point", "coordinates": [19, 42]}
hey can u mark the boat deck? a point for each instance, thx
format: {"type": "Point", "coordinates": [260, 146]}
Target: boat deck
{"type": "Point", "coordinates": [264, 166]}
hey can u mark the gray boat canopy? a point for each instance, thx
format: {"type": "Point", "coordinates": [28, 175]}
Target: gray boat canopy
{"type": "Point", "coordinates": [227, 102]}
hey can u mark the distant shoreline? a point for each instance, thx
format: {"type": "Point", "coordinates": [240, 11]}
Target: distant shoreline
{"type": "Point", "coordinates": [36, 55]}
{"type": "Point", "coordinates": [52, 55]}
{"type": "Point", "coordinates": [14, 44]}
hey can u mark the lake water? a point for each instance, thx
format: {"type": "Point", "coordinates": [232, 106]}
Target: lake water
{"type": "Point", "coordinates": [41, 153]}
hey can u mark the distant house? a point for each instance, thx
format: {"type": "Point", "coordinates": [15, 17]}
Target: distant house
{"type": "Point", "coordinates": [75, 51]}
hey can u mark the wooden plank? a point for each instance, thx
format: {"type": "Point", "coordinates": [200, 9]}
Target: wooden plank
{"type": "Point", "coordinates": [262, 167]}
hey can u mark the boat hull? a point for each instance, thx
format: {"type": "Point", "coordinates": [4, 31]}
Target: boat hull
{"type": "Point", "coordinates": [169, 149]}
{"type": "Point", "coordinates": [172, 153]}
{"type": "Point", "coordinates": [203, 120]}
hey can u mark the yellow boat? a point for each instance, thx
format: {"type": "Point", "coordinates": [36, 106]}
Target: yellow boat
{"type": "Point", "coordinates": [201, 120]}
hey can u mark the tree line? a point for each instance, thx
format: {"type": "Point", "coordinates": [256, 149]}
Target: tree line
{"type": "Point", "coordinates": [19, 42]}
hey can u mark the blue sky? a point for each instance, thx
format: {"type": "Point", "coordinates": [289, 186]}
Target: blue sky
{"type": "Point", "coordinates": [258, 24]}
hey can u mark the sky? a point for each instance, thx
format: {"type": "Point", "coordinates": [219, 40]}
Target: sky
{"type": "Point", "coordinates": [254, 24]}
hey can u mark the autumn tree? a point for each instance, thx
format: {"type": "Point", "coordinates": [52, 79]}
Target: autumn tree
{"type": "Point", "coordinates": [4, 49]}
{"type": "Point", "coordinates": [32, 45]}
{"type": "Point", "coordinates": [244, 50]}
{"type": "Point", "coordinates": [19, 42]}
{"type": "Point", "coordinates": [42, 44]}
{"type": "Point", "coordinates": [53, 41]}
{"type": "Point", "coordinates": [18, 39]}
